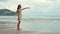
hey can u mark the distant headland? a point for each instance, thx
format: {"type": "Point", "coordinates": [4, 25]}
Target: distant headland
{"type": "Point", "coordinates": [7, 12]}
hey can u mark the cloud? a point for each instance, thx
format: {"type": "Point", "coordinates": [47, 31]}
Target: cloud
{"type": "Point", "coordinates": [37, 7]}
{"type": "Point", "coordinates": [44, 6]}
{"type": "Point", "coordinates": [39, 1]}
{"type": "Point", "coordinates": [12, 4]}
{"type": "Point", "coordinates": [3, 0]}
{"type": "Point", "coordinates": [9, 4]}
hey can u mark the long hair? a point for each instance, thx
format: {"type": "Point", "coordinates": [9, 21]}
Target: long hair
{"type": "Point", "coordinates": [19, 6]}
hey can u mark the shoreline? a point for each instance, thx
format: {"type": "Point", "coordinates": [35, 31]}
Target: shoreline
{"type": "Point", "coordinates": [15, 31]}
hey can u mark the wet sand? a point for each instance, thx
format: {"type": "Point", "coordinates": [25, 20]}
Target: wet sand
{"type": "Point", "coordinates": [14, 31]}
{"type": "Point", "coordinates": [47, 26]}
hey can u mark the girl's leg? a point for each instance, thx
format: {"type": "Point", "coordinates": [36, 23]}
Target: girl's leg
{"type": "Point", "coordinates": [19, 21]}
{"type": "Point", "coordinates": [18, 25]}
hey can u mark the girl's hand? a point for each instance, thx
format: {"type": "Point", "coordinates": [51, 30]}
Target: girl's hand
{"type": "Point", "coordinates": [27, 7]}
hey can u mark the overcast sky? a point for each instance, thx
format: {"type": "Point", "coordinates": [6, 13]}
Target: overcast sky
{"type": "Point", "coordinates": [37, 7]}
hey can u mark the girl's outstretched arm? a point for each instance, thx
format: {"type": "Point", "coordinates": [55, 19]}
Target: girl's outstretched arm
{"type": "Point", "coordinates": [25, 8]}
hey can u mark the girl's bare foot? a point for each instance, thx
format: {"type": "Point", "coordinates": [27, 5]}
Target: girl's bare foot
{"type": "Point", "coordinates": [19, 29]}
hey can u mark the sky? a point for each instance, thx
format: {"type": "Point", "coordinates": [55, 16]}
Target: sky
{"type": "Point", "coordinates": [50, 8]}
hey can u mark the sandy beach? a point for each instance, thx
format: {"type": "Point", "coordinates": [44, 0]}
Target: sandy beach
{"type": "Point", "coordinates": [14, 31]}
{"type": "Point", "coordinates": [30, 26]}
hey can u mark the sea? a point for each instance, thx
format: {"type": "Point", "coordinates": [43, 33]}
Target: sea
{"type": "Point", "coordinates": [42, 24]}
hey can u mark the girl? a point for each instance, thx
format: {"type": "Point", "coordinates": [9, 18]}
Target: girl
{"type": "Point", "coordinates": [19, 9]}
